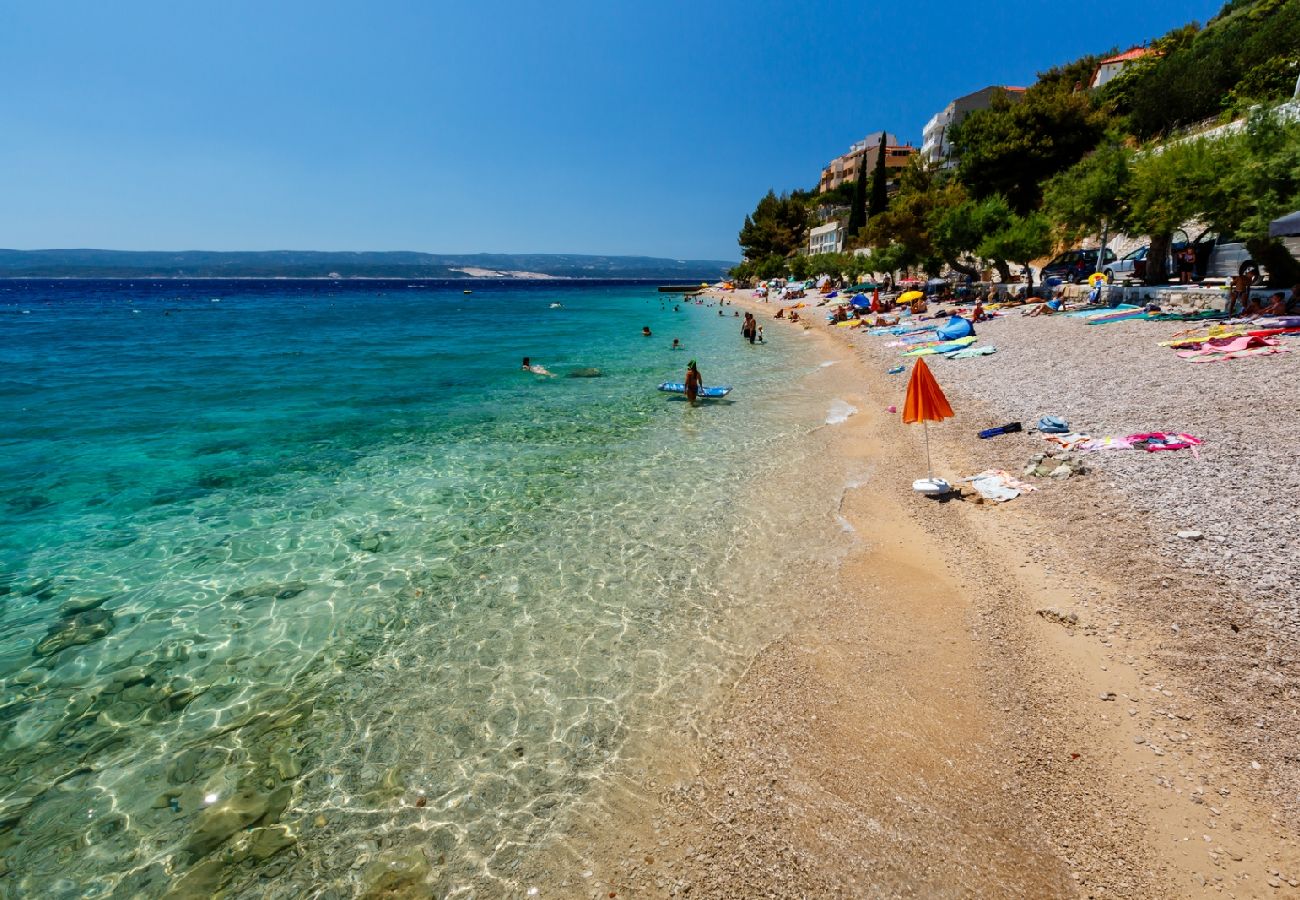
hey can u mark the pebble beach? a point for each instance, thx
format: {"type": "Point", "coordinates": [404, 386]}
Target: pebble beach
{"type": "Point", "coordinates": [1087, 691]}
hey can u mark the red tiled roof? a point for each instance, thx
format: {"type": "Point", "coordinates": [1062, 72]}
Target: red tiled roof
{"type": "Point", "coordinates": [1128, 55]}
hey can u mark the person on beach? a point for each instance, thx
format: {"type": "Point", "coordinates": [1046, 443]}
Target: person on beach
{"type": "Point", "coordinates": [1186, 265]}
{"type": "Point", "coordinates": [749, 329]}
{"type": "Point", "coordinates": [977, 314]}
{"type": "Point", "coordinates": [1253, 309]}
{"type": "Point", "coordinates": [760, 334]}
{"type": "Point", "coordinates": [1276, 306]}
{"type": "Point", "coordinates": [1051, 307]}
{"type": "Point", "coordinates": [692, 382]}
{"type": "Point", "coordinates": [645, 332]}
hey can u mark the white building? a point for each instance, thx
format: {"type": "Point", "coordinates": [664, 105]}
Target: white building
{"type": "Point", "coordinates": [828, 238]}
{"type": "Point", "coordinates": [935, 148]}
{"type": "Point", "coordinates": [1109, 68]}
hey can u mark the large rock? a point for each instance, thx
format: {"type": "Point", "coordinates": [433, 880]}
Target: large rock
{"type": "Point", "coordinates": [81, 628]}
{"type": "Point", "coordinates": [215, 825]}
{"type": "Point", "coordinates": [396, 874]}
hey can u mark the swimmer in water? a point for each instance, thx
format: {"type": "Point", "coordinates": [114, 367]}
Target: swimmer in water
{"type": "Point", "coordinates": [645, 332]}
{"type": "Point", "coordinates": [677, 344]}
{"type": "Point", "coordinates": [536, 370]}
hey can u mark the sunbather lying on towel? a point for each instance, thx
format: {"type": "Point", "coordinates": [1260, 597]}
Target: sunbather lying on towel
{"type": "Point", "coordinates": [1051, 307]}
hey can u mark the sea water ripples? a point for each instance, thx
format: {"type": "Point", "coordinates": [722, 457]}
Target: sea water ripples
{"type": "Point", "coordinates": [257, 640]}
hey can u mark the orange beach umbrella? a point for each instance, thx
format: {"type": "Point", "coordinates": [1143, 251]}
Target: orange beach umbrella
{"type": "Point", "coordinates": [925, 400]}
{"type": "Point", "coordinates": [925, 403]}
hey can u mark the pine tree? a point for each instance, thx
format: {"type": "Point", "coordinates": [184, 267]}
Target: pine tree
{"type": "Point", "coordinates": [879, 196]}
{"type": "Point", "coordinates": [858, 209]}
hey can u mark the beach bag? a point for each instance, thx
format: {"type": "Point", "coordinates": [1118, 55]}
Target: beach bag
{"type": "Point", "coordinates": [1053, 425]}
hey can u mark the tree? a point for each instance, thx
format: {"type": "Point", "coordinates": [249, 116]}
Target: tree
{"type": "Point", "coordinates": [1021, 240]}
{"type": "Point", "coordinates": [1165, 191]}
{"type": "Point", "coordinates": [1241, 58]}
{"type": "Point", "coordinates": [1092, 195]}
{"type": "Point", "coordinates": [1012, 149]}
{"type": "Point", "coordinates": [1254, 177]}
{"type": "Point", "coordinates": [778, 226]}
{"type": "Point", "coordinates": [879, 189]}
{"type": "Point", "coordinates": [858, 210]}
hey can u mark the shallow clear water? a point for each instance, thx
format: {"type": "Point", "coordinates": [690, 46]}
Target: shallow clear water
{"type": "Point", "coordinates": [295, 576]}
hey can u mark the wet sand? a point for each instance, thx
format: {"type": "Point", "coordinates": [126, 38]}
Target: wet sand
{"type": "Point", "coordinates": [975, 707]}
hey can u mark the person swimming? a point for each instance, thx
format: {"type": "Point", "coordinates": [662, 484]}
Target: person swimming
{"type": "Point", "coordinates": [536, 370]}
{"type": "Point", "coordinates": [677, 344]}
{"type": "Point", "coordinates": [645, 332]}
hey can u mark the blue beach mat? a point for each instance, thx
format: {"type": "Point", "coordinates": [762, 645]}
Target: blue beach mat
{"type": "Point", "coordinates": [711, 393]}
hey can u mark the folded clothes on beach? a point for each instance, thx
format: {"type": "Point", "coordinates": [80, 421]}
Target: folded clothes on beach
{"type": "Point", "coordinates": [1158, 440]}
{"type": "Point", "coordinates": [1071, 440]}
{"type": "Point", "coordinates": [998, 485]}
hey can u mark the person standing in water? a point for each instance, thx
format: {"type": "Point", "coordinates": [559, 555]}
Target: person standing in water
{"type": "Point", "coordinates": [749, 329]}
{"type": "Point", "coordinates": [677, 344]}
{"type": "Point", "coordinates": [692, 382]}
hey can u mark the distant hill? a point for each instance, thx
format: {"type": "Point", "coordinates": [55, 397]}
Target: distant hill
{"type": "Point", "coordinates": [318, 264]}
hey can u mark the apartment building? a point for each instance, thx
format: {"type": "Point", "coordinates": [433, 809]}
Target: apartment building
{"type": "Point", "coordinates": [935, 148]}
{"type": "Point", "coordinates": [844, 169]}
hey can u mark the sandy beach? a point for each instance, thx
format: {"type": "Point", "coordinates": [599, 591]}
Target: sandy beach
{"type": "Point", "coordinates": [1052, 697]}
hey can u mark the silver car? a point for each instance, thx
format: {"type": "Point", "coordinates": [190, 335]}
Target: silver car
{"type": "Point", "coordinates": [1230, 258]}
{"type": "Point", "coordinates": [1131, 265]}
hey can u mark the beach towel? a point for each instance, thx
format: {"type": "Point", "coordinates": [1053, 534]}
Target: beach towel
{"type": "Point", "coordinates": [942, 348]}
{"type": "Point", "coordinates": [998, 486]}
{"type": "Point", "coordinates": [1238, 354]}
{"type": "Point", "coordinates": [1233, 348]}
{"type": "Point", "coordinates": [1117, 317]}
{"type": "Point", "coordinates": [968, 352]}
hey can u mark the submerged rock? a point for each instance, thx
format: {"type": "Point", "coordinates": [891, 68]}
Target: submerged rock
{"type": "Point", "coordinates": [585, 373]}
{"type": "Point", "coordinates": [395, 874]}
{"type": "Point", "coordinates": [74, 605]}
{"type": "Point", "coordinates": [216, 824]}
{"type": "Point", "coordinates": [75, 630]}
{"type": "Point", "coordinates": [268, 591]}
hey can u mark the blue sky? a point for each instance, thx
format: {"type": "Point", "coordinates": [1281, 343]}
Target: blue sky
{"type": "Point", "coordinates": [639, 128]}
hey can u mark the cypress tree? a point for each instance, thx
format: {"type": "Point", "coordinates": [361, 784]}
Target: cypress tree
{"type": "Point", "coordinates": [879, 196]}
{"type": "Point", "coordinates": [858, 209]}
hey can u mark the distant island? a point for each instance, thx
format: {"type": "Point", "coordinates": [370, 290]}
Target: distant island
{"type": "Point", "coordinates": [323, 264]}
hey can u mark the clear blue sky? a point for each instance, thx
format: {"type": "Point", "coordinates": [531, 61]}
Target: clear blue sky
{"type": "Point", "coordinates": [602, 127]}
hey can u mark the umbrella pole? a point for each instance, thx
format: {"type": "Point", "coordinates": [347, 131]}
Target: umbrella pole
{"type": "Point", "coordinates": [929, 466]}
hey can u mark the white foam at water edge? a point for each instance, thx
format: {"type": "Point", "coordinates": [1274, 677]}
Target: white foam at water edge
{"type": "Point", "coordinates": [827, 364]}
{"type": "Point", "coordinates": [839, 412]}
{"type": "Point", "coordinates": [845, 525]}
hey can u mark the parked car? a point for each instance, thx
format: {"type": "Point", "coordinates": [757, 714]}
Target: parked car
{"type": "Point", "coordinates": [1075, 265]}
{"type": "Point", "coordinates": [1224, 257]}
{"type": "Point", "coordinates": [1130, 265]}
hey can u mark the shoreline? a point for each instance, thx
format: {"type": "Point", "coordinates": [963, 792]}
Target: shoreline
{"type": "Point", "coordinates": [939, 732]}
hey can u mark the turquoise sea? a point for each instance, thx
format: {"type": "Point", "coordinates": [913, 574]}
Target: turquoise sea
{"type": "Point", "coordinates": [298, 578]}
